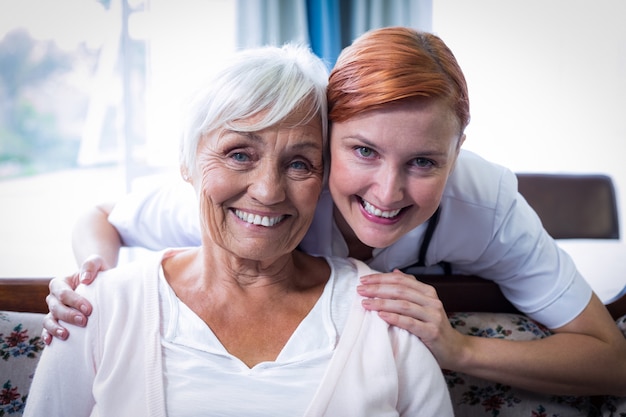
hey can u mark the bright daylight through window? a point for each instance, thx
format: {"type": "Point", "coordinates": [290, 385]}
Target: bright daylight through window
{"type": "Point", "coordinates": [89, 91]}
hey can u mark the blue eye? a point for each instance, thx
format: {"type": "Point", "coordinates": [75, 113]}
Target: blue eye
{"type": "Point", "coordinates": [299, 165]}
{"type": "Point", "coordinates": [422, 162]}
{"type": "Point", "coordinates": [365, 152]}
{"type": "Point", "coordinates": [240, 157]}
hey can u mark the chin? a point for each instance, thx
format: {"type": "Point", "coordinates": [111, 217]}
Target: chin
{"type": "Point", "coordinates": [378, 241]}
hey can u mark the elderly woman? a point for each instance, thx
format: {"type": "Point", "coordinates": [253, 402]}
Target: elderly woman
{"type": "Point", "coordinates": [244, 324]}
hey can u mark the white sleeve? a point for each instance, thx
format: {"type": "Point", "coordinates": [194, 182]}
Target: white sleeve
{"type": "Point", "coordinates": [488, 229]}
{"type": "Point", "coordinates": [159, 216]}
{"type": "Point", "coordinates": [537, 276]}
{"type": "Point", "coordinates": [62, 385]}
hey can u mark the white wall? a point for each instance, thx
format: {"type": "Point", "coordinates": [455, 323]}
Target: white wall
{"type": "Point", "coordinates": [547, 82]}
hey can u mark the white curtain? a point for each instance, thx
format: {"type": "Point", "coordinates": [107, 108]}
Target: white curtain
{"type": "Point", "coordinates": [271, 22]}
{"type": "Point", "coordinates": [371, 14]}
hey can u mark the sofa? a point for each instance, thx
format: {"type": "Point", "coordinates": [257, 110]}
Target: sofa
{"type": "Point", "coordinates": [475, 397]}
{"type": "Point", "coordinates": [20, 347]}
{"type": "Point", "coordinates": [22, 307]}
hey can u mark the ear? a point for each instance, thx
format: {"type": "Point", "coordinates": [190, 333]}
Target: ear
{"type": "Point", "coordinates": [460, 142]}
{"type": "Point", "coordinates": [184, 172]}
{"type": "Point", "coordinates": [458, 149]}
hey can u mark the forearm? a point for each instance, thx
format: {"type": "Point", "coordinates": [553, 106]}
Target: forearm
{"type": "Point", "coordinates": [93, 234]}
{"type": "Point", "coordinates": [586, 356]}
{"type": "Point", "coordinates": [561, 365]}
{"type": "Point", "coordinates": [577, 360]}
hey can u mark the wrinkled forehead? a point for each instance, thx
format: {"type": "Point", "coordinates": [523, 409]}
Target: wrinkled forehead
{"type": "Point", "coordinates": [304, 113]}
{"type": "Point", "coordinates": [298, 126]}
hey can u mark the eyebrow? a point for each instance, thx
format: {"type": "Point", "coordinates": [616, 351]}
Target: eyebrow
{"type": "Point", "coordinates": [308, 144]}
{"type": "Point", "coordinates": [370, 144]}
{"type": "Point", "coordinates": [249, 135]}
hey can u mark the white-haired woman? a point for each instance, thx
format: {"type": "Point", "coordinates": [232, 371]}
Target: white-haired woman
{"type": "Point", "coordinates": [245, 324]}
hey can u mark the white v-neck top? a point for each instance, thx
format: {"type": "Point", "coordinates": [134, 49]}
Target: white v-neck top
{"type": "Point", "coordinates": [194, 359]}
{"type": "Point", "coordinates": [127, 364]}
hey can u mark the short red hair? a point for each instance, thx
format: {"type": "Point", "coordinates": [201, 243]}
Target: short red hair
{"type": "Point", "coordinates": [395, 63]}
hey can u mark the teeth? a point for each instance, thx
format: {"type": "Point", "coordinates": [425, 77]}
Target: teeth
{"type": "Point", "coordinates": [258, 220]}
{"type": "Point", "coordinates": [378, 212]}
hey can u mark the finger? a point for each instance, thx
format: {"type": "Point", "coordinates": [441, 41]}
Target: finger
{"type": "Point", "coordinates": [394, 278]}
{"type": "Point", "coordinates": [398, 320]}
{"type": "Point", "coordinates": [46, 337]}
{"type": "Point", "coordinates": [423, 320]}
{"type": "Point", "coordinates": [62, 297]}
{"type": "Point", "coordinates": [390, 277]}
{"type": "Point", "coordinates": [60, 311]}
{"type": "Point", "coordinates": [424, 295]}
{"type": "Point", "coordinates": [428, 332]}
{"type": "Point", "coordinates": [432, 310]}
{"type": "Point", "coordinates": [52, 328]}
{"type": "Point", "coordinates": [90, 268]}
{"type": "Point", "coordinates": [431, 333]}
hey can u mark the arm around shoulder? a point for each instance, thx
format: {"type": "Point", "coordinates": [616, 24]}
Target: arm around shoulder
{"type": "Point", "coordinates": [93, 234]}
{"type": "Point", "coordinates": [96, 246]}
{"type": "Point", "coordinates": [586, 356]}
{"type": "Point", "coordinates": [605, 367]}
{"type": "Point", "coordinates": [158, 216]}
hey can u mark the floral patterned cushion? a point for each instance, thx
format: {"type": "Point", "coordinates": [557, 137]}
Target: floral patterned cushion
{"type": "Point", "coordinates": [20, 347]}
{"type": "Point", "coordinates": [476, 397]}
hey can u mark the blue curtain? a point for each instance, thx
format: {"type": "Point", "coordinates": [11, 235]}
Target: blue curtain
{"type": "Point", "coordinates": [334, 24]}
{"type": "Point", "coordinates": [326, 25]}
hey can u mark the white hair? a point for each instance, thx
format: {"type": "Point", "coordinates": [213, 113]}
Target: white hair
{"type": "Point", "coordinates": [273, 80]}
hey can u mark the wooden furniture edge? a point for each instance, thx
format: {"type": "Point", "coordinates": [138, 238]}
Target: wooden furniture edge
{"type": "Point", "coordinates": [457, 293]}
{"type": "Point", "coordinates": [618, 307]}
{"type": "Point", "coordinates": [470, 293]}
{"type": "Point", "coordinates": [24, 294]}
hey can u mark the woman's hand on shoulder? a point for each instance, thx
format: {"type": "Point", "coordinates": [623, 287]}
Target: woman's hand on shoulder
{"type": "Point", "coordinates": [65, 304]}
{"type": "Point", "coordinates": [403, 301]}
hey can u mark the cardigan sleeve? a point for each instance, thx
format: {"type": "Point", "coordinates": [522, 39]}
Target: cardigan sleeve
{"type": "Point", "coordinates": [380, 370]}
{"type": "Point", "coordinates": [114, 358]}
{"type": "Point", "coordinates": [422, 389]}
{"type": "Point", "coordinates": [64, 377]}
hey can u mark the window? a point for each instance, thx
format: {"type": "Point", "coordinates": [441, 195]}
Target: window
{"type": "Point", "coordinates": [89, 94]}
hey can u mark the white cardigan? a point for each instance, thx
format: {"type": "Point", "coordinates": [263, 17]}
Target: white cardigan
{"type": "Point", "coordinates": [114, 366]}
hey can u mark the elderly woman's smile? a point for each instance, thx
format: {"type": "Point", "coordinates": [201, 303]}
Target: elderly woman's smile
{"type": "Point", "coordinates": [258, 220]}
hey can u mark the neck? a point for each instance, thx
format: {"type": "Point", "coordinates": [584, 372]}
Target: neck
{"type": "Point", "coordinates": [215, 271]}
{"type": "Point", "coordinates": [356, 248]}
{"type": "Point", "coordinates": [252, 307]}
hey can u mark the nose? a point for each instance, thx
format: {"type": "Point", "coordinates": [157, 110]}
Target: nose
{"type": "Point", "coordinates": [390, 184]}
{"type": "Point", "coordinates": [267, 184]}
